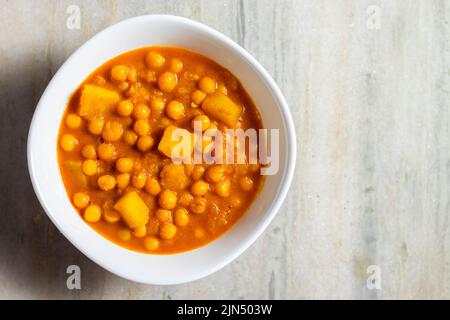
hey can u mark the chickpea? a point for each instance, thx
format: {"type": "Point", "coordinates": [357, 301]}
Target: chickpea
{"type": "Point", "coordinates": [215, 173]}
{"type": "Point", "coordinates": [124, 165]}
{"type": "Point", "coordinates": [157, 106]}
{"type": "Point", "coordinates": [163, 215]}
{"type": "Point", "coordinates": [106, 152]}
{"type": "Point", "coordinates": [141, 127]}
{"type": "Point", "coordinates": [176, 65]}
{"type": "Point", "coordinates": [141, 112]}
{"type": "Point", "coordinates": [80, 200]}
{"type": "Point", "coordinates": [106, 182]}
{"type": "Point", "coordinates": [185, 199]}
{"type": "Point", "coordinates": [120, 73]}
{"type": "Point", "coordinates": [198, 96]}
{"type": "Point", "coordinates": [93, 213]}
{"type": "Point", "coordinates": [123, 180]}
{"type": "Point", "coordinates": [124, 108]}
{"type": "Point", "coordinates": [111, 216]}
{"type": "Point", "coordinates": [129, 137]}
{"type": "Point", "coordinates": [197, 172]}
{"type": "Point", "coordinates": [68, 142]}
{"type": "Point", "coordinates": [140, 232]}
{"type": "Point", "coordinates": [175, 110]}
{"type": "Point", "coordinates": [167, 199]}
{"type": "Point", "coordinates": [124, 234]}
{"type": "Point", "coordinates": [167, 231]}
{"type": "Point", "coordinates": [167, 82]}
{"type": "Point", "coordinates": [112, 131]}
{"type": "Point", "coordinates": [151, 243]}
{"type": "Point", "coordinates": [73, 121]}
{"type": "Point", "coordinates": [145, 143]}
{"type": "Point", "coordinates": [89, 167]}
{"type": "Point", "coordinates": [95, 126]}
{"type": "Point", "coordinates": [203, 120]}
{"type": "Point", "coordinates": [246, 183]}
{"type": "Point", "coordinates": [199, 188]}
{"type": "Point", "coordinates": [138, 180]}
{"type": "Point", "coordinates": [198, 205]}
{"type": "Point", "coordinates": [89, 152]}
{"type": "Point", "coordinates": [152, 186]}
{"type": "Point", "coordinates": [223, 188]}
{"type": "Point", "coordinates": [154, 60]}
{"type": "Point", "coordinates": [181, 217]}
{"type": "Point", "coordinates": [208, 85]}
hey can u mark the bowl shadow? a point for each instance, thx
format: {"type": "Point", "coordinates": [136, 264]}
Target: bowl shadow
{"type": "Point", "coordinates": [34, 255]}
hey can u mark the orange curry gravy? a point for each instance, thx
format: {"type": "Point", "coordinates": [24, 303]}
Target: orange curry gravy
{"type": "Point", "coordinates": [187, 205]}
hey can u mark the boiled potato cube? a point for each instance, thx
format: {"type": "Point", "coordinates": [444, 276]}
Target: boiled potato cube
{"type": "Point", "coordinates": [133, 210]}
{"type": "Point", "coordinates": [97, 101]}
{"type": "Point", "coordinates": [184, 144]}
{"type": "Point", "coordinates": [220, 107]}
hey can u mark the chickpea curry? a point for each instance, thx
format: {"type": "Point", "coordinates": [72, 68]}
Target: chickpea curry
{"type": "Point", "coordinates": [114, 150]}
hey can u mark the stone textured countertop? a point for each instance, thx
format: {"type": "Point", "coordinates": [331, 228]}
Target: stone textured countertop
{"type": "Point", "coordinates": [368, 84]}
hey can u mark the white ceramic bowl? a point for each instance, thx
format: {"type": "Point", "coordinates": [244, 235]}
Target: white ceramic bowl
{"type": "Point", "coordinates": [42, 143]}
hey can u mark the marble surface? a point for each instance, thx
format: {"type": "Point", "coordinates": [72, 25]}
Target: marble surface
{"type": "Point", "coordinates": [368, 86]}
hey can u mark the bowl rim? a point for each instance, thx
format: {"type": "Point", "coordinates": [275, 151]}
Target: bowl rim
{"type": "Point", "coordinates": [282, 189]}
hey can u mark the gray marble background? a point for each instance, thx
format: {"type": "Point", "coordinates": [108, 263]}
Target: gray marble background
{"type": "Point", "coordinates": [368, 84]}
